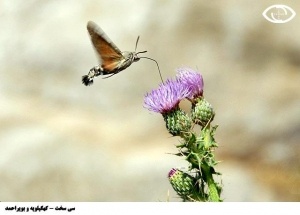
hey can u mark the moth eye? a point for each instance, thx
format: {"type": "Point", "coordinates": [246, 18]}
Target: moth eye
{"type": "Point", "coordinates": [279, 14]}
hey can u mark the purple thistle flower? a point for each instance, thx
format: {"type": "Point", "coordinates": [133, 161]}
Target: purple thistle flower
{"type": "Point", "coordinates": [192, 80]}
{"type": "Point", "coordinates": [167, 97]}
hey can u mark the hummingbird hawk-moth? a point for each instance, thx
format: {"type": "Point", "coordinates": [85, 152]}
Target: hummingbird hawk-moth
{"type": "Point", "coordinates": [112, 60]}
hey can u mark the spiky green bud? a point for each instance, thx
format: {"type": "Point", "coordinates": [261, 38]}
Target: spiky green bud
{"type": "Point", "coordinates": [177, 122]}
{"type": "Point", "coordinates": [202, 112]}
{"type": "Point", "coordinates": [183, 183]}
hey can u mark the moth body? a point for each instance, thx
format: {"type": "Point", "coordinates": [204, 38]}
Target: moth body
{"type": "Point", "coordinates": [112, 60]}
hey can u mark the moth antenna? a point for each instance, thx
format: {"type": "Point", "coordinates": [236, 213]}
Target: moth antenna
{"type": "Point", "coordinates": [141, 52]}
{"type": "Point", "coordinates": [137, 40]}
{"type": "Point", "coordinates": [156, 65]}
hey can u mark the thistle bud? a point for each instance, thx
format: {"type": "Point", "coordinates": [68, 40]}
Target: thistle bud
{"type": "Point", "coordinates": [202, 112]}
{"type": "Point", "coordinates": [183, 183]}
{"type": "Point", "coordinates": [177, 122]}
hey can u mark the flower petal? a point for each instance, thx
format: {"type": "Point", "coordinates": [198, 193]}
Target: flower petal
{"type": "Point", "coordinates": [192, 80]}
{"type": "Point", "coordinates": [166, 97]}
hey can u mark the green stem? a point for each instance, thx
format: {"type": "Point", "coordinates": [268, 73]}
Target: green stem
{"type": "Point", "coordinates": [212, 187]}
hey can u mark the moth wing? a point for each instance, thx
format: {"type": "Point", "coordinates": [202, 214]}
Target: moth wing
{"type": "Point", "coordinates": [109, 54]}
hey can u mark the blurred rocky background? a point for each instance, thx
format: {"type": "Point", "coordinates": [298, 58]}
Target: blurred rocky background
{"type": "Point", "coordinates": [63, 141]}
